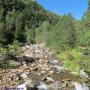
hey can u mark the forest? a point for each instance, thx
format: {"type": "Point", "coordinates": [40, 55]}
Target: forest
{"type": "Point", "coordinates": [24, 22]}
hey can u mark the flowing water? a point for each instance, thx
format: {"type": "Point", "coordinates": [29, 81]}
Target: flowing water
{"type": "Point", "coordinates": [62, 80]}
{"type": "Point", "coordinates": [43, 86]}
{"type": "Point", "coordinates": [66, 75]}
{"type": "Point", "coordinates": [79, 86]}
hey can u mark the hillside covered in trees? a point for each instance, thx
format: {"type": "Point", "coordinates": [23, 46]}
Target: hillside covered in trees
{"type": "Point", "coordinates": [27, 22]}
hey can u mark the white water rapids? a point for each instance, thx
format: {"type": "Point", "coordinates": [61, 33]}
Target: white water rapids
{"type": "Point", "coordinates": [79, 86]}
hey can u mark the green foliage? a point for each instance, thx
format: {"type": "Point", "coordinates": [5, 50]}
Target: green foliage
{"type": "Point", "coordinates": [84, 63]}
{"type": "Point", "coordinates": [20, 31]}
{"type": "Point", "coordinates": [63, 34]}
{"type": "Point", "coordinates": [2, 34]}
{"type": "Point", "coordinates": [14, 49]}
{"type": "Point", "coordinates": [42, 32]}
{"type": "Point", "coordinates": [7, 53]}
{"type": "Point", "coordinates": [76, 59]}
{"type": "Point", "coordinates": [16, 15]}
{"type": "Point", "coordinates": [4, 58]}
{"type": "Point", "coordinates": [72, 65]}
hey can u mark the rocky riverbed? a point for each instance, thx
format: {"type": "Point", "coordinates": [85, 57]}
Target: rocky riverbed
{"type": "Point", "coordinates": [38, 69]}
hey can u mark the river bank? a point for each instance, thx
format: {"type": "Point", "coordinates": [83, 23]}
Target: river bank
{"type": "Point", "coordinates": [40, 67]}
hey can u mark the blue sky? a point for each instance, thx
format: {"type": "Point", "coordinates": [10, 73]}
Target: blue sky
{"type": "Point", "coordinates": [75, 7]}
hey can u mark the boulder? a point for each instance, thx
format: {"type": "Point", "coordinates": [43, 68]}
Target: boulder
{"type": "Point", "coordinates": [24, 76]}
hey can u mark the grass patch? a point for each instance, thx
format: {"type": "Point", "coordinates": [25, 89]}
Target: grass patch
{"type": "Point", "coordinates": [72, 65]}
{"type": "Point", "coordinates": [72, 52]}
{"type": "Point", "coordinates": [71, 58]}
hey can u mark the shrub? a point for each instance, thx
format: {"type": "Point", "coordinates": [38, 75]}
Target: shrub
{"type": "Point", "coordinates": [4, 58]}
{"type": "Point", "coordinates": [7, 53]}
{"type": "Point", "coordinates": [14, 49]}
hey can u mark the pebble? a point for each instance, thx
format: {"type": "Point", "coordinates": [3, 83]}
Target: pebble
{"type": "Point", "coordinates": [24, 76]}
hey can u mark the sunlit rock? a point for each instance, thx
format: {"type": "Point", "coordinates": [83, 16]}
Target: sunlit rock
{"type": "Point", "coordinates": [24, 76]}
{"type": "Point", "coordinates": [84, 74]}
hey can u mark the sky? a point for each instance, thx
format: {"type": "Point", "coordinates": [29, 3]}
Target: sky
{"type": "Point", "coordinates": [75, 7]}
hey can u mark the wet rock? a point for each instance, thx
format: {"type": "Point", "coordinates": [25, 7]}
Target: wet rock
{"type": "Point", "coordinates": [24, 63]}
{"type": "Point", "coordinates": [43, 86]}
{"type": "Point", "coordinates": [52, 87]}
{"type": "Point", "coordinates": [53, 62]}
{"type": "Point", "coordinates": [77, 85]}
{"type": "Point", "coordinates": [59, 68]}
{"type": "Point", "coordinates": [55, 86]}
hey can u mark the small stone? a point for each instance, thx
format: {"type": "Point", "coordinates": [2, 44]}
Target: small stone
{"type": "Point", "coordinates": [64, 85]}
{"type": "Point", "coordinates": [31, 69]}
{"type": "Point", "coordinates": [14, 78]}
{"type": "Point", "coordinates": [42, 72]}
{"type": "Point", "coordinates": [47, 69]}
{"type": "Point", "coordinates": [50, 79]}
{"type": "Point", "coordinates": [38, 74]}
{"type": "Point", "coordinates": [24, 76]}
{"type": "Point", "coordinates": [51, 72]}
